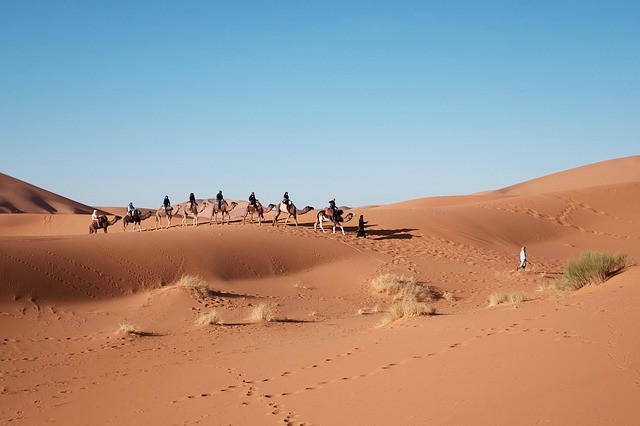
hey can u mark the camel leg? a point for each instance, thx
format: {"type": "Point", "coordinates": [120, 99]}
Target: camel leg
{"type": "Point", "coordinates": [322, 227]}
{"type": "Point", "coordinates": [340, 225]}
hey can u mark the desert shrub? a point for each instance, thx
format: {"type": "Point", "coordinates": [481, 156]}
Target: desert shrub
{"type": "Point", "coordinates": [589, 268]}
{"type": "Point", "coordinates": [502, 297]}
{"type": "Point", "coordinates": [128, 329]}
{"type": "Point", "coordinates": [368, 311]}
{"type": "Point", "coordinates": [448, 296]}
{"type": "Point", "coordinates": [401, 287]}
{"type": "Point", "coordinates": [262, 313]}
{"type": "Point", "coordinates": [212, 318]}
{"type": "Point", "coordinates": [406, 308]}
{"type": "Point", "coordinates": [195, 285]}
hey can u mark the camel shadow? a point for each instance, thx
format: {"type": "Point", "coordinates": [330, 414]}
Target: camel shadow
{"type": "Point", "coordinates": [391, 234]}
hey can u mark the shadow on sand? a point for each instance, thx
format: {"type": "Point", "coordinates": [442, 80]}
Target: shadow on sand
{"type": "Point", "coordinates": [391, 234]}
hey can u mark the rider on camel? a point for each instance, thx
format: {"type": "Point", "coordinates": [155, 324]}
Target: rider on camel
{"type": "Point", "coordinates": [285, 199]}
{"type": "Point", "coordinates": [333, 208]}
{"type": "Point", "coordinates": [96, 218]}
{"type": "Point", "coordinates": [131, 210]}
{"type": "Point", "coordinates": [219, 198]}
{"type": "Point", "coordinates": [252, 199]}
{"type": "Point", "coordinates": [166, 203]}
{"type": "Point", "coordinates": [192, 201]}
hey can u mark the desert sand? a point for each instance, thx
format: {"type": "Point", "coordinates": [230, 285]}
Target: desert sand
{"type": "Point", "coordinates": [324, 359]}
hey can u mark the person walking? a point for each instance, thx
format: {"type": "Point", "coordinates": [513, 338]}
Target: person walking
{"type": "Point", "coordinates": [361, 224]}
{"type": "Point", "coordinates": [523, 258]}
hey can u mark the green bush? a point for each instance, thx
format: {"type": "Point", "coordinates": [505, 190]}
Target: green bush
{"type": "Point", "coordinates": [589, 268]}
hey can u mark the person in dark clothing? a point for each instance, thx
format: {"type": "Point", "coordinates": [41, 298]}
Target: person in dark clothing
{"type": "Point", "coordinates": [285, 199]}
{"type": "Point", "coordinates": [166, 203]}
{"type": "Point", "coordinates": [192, 201]}
{"type": "Point", "coordinates": [219, 198]}
{"type": "Point", "coordinates": [361, 224]}
{"type": "Point", "coordinates": [252, 199]}
{"type": "Point", "coordinates": [333, 208]}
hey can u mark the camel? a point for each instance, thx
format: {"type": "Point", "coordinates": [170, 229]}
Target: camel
{"type": "Point", "coordinates": [291, 210]}
{"type": "Point", "coordinates": [259, 210]}
{"type": "Point", "coordinates": [325, 215]}
{"type": "Point", "coordinates": [161, 212]}
{"type": "Point", "coordinates": [103, 223]}
{"type": "Point", "coordinates": [224, 208]}
{"type": "Point", "coordinates": [137, 219]}
{"type": "Point", "coordinates": [193, 211]}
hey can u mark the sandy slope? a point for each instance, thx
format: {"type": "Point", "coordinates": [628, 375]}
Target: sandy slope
{"type": "Point", "coordinates": [571, 360]}
{"type": "Point", "coordinates": [17, 196]}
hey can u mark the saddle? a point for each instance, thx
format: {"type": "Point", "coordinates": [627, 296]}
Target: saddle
{"type": "Point", "coordinates": [328, 212]}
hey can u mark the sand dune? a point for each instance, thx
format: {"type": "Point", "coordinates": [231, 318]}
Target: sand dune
{"type": "Point", "coordinates": [17, 196]}
{"type": "Point", "coordinates": [569, 360]}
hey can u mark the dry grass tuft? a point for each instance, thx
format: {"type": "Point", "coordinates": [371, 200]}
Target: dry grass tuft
{"type": "Point", "coordinates": [406, 308]}
{"type": "Point", "coordinates": [299, 284]}
{"type": "Point", "coordinates": [212, 318]}
{"type": "Point", "coordinates": [369, 311]}
{"type": "Point", "coordinates": [129, 329]}
{"type": "Point", "coordinates": [502, 297]}
{"type": "Point", "coordinates": [401, 287]}
{"type": "Point", "coordinates": [195, 285]}
{"type": "Point", "coordinates": [449, 296]}
{"type": "Point", "coordinates": [262, 313]}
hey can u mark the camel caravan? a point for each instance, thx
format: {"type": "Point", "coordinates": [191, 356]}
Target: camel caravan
{"type": "Point", "coordinates": [221, 210]}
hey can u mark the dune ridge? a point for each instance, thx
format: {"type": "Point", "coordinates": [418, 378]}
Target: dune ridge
{"type": "Point", "coordinates": [17, 196]}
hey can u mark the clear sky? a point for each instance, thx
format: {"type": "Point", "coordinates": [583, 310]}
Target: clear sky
{"type": "Point", "coordinates": [370, 102]}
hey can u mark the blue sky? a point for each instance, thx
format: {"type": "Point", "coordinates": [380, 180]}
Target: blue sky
{"type": "Point", "coordinates": [365, 101]}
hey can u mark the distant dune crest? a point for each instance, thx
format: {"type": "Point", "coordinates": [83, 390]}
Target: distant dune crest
{"type": "Point", "coordinates": [611, 172]}
{"type": "Point", "coordinates": [17, 196]}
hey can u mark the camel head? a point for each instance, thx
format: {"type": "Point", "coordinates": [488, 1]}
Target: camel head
{"type": "Point", "coordinates": [307, 209]}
